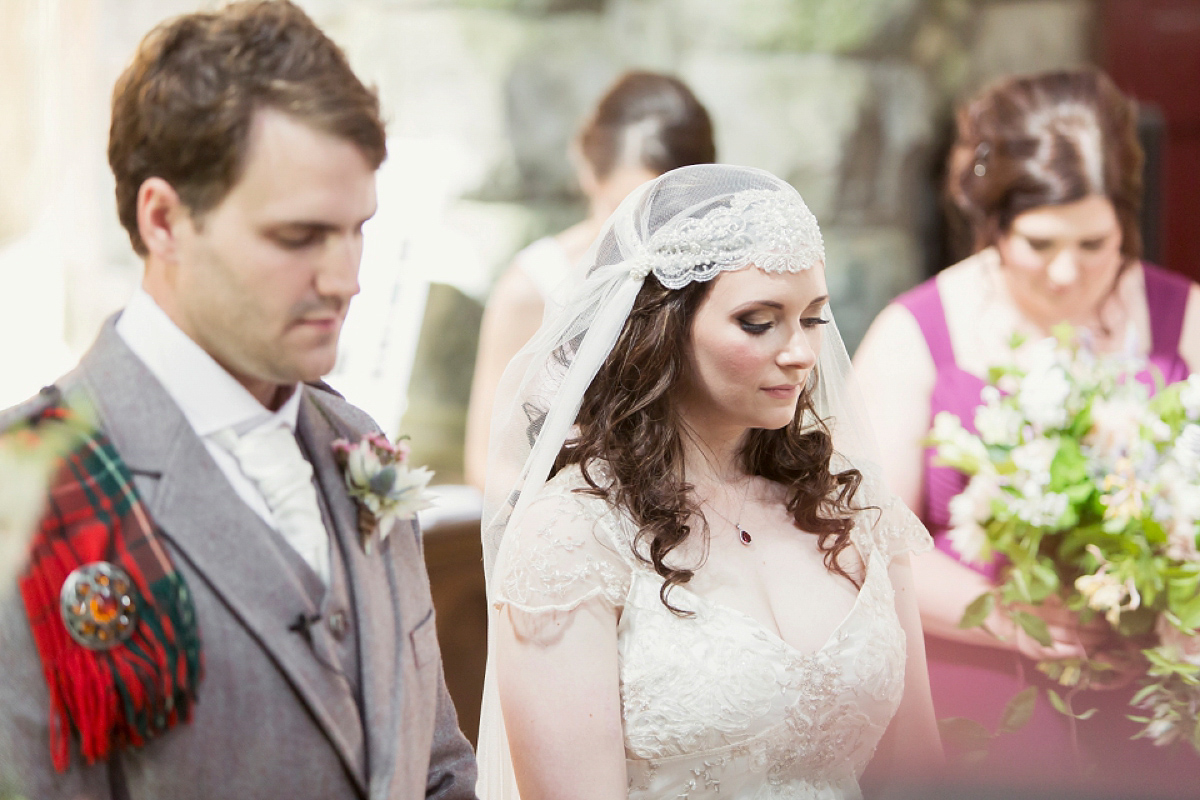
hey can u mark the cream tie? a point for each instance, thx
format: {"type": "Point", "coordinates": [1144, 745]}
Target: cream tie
{"type": "Point", "coordinates": [270, 457]}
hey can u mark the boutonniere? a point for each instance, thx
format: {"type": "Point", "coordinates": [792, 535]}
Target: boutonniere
{"type": "Point", "coordinates": [379, 478]}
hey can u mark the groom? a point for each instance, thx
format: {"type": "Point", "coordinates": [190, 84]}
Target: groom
{"type": "Point", "coordinates": [202, 615]}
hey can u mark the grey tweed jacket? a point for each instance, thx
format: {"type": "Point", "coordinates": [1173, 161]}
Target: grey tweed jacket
{"type": "Point", "coordinates": [271, 719]}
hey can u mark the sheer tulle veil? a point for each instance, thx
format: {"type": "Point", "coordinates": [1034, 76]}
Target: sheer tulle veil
{"type": "Point", "coordinates": [690, 224]}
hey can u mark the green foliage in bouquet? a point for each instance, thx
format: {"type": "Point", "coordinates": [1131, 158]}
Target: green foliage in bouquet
{"type": "Point", "coordinates": [1088, 490]}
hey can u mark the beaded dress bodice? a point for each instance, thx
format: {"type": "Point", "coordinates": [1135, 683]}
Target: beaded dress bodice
{"type": "Point", "coordinates": [714, 704]}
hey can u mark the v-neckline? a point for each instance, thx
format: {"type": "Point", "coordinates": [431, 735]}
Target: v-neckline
{"type": "Point", "coordinates": [718, 606]}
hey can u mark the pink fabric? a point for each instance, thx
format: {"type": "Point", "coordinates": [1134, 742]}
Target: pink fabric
{"type": "Point", "coordinates": [977, 682]}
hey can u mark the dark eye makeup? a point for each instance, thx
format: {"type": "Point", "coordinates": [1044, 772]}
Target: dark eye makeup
{"type": "Point", "coordinates": [755, 328]}
{"type": "Point", "coordinates": [758, 328]}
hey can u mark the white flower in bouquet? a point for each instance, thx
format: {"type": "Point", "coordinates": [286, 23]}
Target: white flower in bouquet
{"type": "Point", "coordinates": [997, 424]}
{"type": "Point", "coordinates": [1186, 451]}
{"type": "Point", "coordinates": [1043, 399]}
{"type": "Point", "coordinates": [1105, 593]}
{"type": "Point", "coordinates": [1159, 431]}
{"type": "Point", "coordinates": [970, 541]}
{"type": "Point", "coordinates": [1189, 396]}
{"type": "Point", "coordinates": [974, 504]}
{"type": "Point", "coordinates": [1116, 422]}
{"type": "Point", "coordinates": [1181, 536]}
{"type": "Point", "coordinates": [1163, 728]}
{"type": "Point", "coordinates": [1034, 459]}
{"type": "Point", "coordinates": [1176, 644]}
{"type": "Point", "coordinates": [1043, 394]}
{"type": "Point", "coordinates": [957, 446]}
{"type": "Point", "coordinates": [1041, 511]}
{"type": "Point", "coordinates": [1037, 355]}
{"type": "Point", "coordinates": [1125, 496]}
{"type": "Point", "coordinates": [1176, 506]}
{"type": "Point", "coordinates": [1181, 542]}
{"type": "Point", "coordinates": [967, 511]}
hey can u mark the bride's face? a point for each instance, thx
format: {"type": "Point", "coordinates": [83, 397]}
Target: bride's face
{"type": "Point", "coordinates": [754, 341]}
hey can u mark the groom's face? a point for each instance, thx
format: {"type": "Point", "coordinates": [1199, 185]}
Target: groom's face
{"type": "Point", "coordinates": [263, 280]}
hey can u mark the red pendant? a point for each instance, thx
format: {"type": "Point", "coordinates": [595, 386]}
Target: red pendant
{"type": "Point", "coordinates": [744, 535]}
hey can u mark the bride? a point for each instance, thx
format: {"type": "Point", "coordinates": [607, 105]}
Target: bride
{"type": "Point", "coordinates": [698, 586]}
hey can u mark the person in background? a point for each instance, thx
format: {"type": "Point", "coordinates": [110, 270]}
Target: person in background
{"type": "Point", "coordinates": [1046, 171]}
{"type": "Point", "coordinates": [206, 611]}
{"type": "Point", "coordinates": [643, 126]}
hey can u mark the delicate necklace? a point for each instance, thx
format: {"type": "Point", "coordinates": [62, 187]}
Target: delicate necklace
{"type": "Point", "coordinates": [743, 534]}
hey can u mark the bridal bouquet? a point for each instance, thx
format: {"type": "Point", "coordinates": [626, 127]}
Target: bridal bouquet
{"type": "Point", "coordinates": [1088, 489]}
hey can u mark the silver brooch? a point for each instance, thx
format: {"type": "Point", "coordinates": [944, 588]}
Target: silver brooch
{"type": "Point", "coordinates": [98, 605]}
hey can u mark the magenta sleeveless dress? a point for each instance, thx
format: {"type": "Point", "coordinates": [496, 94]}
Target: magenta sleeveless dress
{"type": "Point", "coordinates": [977, 682]}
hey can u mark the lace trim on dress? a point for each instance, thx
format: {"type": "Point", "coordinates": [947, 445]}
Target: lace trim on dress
{"type": "Point", "coordinates": [831, 705]}
{"type": "Point", "coordinates": [566, 553]}
{"type": "Point", "coordinates": [894, 530]}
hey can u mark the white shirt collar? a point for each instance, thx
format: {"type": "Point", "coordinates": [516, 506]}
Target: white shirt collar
{"type": "Point", "coordinates": [210, 398]}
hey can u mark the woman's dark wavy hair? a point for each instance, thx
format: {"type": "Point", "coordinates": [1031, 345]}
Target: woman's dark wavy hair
{"type": "Point", "coordinates": [629, 422]}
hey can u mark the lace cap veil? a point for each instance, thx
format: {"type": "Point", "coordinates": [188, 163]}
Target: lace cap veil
{"type": "Point", "coordinates": [690, 224]}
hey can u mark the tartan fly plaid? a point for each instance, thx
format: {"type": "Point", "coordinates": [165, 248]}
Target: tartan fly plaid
{"type": "Point", "coordinates": [108, 698]}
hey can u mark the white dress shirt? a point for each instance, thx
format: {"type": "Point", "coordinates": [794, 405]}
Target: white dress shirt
{"type": "Point", "coordinates": [210, 398]}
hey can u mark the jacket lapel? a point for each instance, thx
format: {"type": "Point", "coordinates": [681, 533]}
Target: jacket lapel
{"type": "Point", "coordinates": [371, 585]}
{"type": "Point", "coordinates": [224, 541]}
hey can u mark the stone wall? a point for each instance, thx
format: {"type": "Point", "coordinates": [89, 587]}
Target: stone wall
{"type": "Point", "coordinates": [848, 99]}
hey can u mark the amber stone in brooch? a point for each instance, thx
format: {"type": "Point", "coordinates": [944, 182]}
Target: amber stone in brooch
{"type": "Point", "coordinates": [98, 605]}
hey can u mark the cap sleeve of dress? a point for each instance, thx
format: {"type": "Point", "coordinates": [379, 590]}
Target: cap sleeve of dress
{"type": "Point", "coordinates": [567, 550]}
{"type": "Point", "coordinates": [894, 530]}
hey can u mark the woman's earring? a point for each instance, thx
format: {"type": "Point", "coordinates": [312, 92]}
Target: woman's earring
{"type": "Point", "coordinates": [982, 151]}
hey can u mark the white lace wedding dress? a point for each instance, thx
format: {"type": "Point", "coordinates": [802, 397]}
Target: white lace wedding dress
{"type": "Point", "coordinates": [715, 705]}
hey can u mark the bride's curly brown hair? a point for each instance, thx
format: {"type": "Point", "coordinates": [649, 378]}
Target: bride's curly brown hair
{"type": "Point", "coordinates": [630, 424]}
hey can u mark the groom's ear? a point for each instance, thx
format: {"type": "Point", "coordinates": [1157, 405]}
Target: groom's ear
{"type": "Point", "coordinates": [160, 212]}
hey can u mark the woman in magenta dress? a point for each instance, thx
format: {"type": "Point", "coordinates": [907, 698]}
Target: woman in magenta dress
{"type": "Point", "coordinates": [1046, 174]}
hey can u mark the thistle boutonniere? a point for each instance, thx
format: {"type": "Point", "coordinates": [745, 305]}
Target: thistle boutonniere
{"type": "Point", "coordinates": [379, 478]}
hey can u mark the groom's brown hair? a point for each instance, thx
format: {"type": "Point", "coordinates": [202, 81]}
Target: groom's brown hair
{"type": "Point", "coordinates": [182, 110]}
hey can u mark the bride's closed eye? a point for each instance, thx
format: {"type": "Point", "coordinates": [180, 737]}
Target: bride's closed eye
{"type": "Point", "coordinates": [756, 328]}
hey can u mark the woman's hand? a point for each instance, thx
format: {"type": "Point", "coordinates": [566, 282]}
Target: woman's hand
{"type": "Point", "coordinates": [1069, 636]}
{"type": "Point", "coordinates": [1126, 661]}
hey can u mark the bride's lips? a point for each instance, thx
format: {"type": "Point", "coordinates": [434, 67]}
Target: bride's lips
{"type": "Point", "coordinates": [784, 391]}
